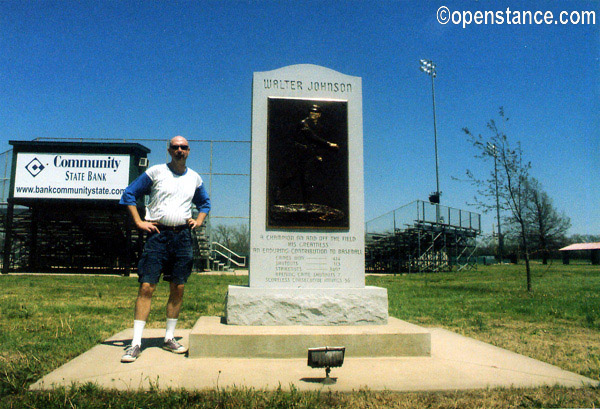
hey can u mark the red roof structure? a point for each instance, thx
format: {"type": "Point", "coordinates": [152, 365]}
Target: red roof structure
{"type": "Point", "coordinates": [582, 246]}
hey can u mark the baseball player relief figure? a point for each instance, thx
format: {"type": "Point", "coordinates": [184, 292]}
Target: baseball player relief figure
{"type": "Point", "coordinates": [308, 164]}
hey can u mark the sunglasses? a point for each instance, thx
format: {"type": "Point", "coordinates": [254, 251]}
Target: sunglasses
{"type": "Point", "coordinates": [177, 147]}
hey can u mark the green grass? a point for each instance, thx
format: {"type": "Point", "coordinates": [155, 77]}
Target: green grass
{"type": "Point", "coordinates": [559, 322]}
{"type": "Point", "coordinates": [47, 320]}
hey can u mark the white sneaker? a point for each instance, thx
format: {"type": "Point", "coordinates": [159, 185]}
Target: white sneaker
{"type": "Point", "coordinates": [173, 346]}
{"type": "Point", "coordinates": [131, 353]}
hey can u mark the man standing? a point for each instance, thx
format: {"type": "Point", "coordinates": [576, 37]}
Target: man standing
{"type": "Point", "coordinates": [173, 188]}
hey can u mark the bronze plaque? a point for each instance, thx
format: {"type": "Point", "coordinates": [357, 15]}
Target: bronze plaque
{"type": "Point", "coordinates": [307, 169]}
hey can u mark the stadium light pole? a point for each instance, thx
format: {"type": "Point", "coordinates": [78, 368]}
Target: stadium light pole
{"type": "Point", "coordinates": [428, 67]}
{"type": "Point", "coordinates": [494, 151]}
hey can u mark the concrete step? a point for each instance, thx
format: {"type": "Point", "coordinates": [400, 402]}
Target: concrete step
{"type": "Point", "coordinates": [210, 337]}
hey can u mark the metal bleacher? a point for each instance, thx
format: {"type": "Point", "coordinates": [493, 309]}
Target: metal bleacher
{"type": "Point", "coordinates": [83, 240]}
{"type": "Point", "coordinates": [421, 237]}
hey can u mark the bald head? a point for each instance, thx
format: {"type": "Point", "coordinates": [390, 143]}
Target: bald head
{"type": "Point", "coordinates": [178, 140]}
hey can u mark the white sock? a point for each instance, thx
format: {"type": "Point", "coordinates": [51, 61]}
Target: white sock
{"type": "Point", "coordinates": [138, 330]}
{"type": "Point", "coordinates": [171, 324]}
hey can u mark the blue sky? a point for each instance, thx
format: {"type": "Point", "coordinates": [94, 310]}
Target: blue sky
{"type": "Point", "coordinates": [155, 69]}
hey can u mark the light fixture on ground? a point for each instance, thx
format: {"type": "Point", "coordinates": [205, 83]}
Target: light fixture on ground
{"type": "Point", "coordinates": [326, 357]}
{"type": "Point", "coordinates": [428, 67]}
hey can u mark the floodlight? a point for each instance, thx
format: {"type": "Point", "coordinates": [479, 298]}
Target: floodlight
{"type": "Point", "coordinates": [326, 357]}
{"type": "Point", "coordinates": [428, 67]}
{"type": "Point", "coordinates": [434, 198]}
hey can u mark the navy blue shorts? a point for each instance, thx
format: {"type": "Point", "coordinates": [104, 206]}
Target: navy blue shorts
{"type": "Point", "coordinates": [169, 253]}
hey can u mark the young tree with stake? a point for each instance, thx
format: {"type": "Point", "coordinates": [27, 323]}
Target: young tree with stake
{"type": "Point", "coordinates": [512, 178]}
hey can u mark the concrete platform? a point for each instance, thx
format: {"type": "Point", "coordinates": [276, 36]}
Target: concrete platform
{"type": "Point", "coordinates": [212, 339]}
{"type": "Point", "coordinates": [456, 362]}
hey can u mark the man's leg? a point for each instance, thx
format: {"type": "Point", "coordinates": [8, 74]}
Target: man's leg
{"type": "Point", "coordinates": [144, 301]}
{"type": "Point", "coordinates": [149, 271]}
{"type": "Point", "coordinates": [142, 310]}
{"type": "Point", "coordinates": [173, 308]}
{"type": "Point", "coordinates": [183, 259]}
{"type": "Point", "coordinates": [175, 300]}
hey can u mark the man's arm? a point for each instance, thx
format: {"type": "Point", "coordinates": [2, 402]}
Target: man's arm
{"type": "Point", "coordinates": [148, 227]}
{"type": "Point", "coordinates": [197, 222]}
{"type": "Point", "coordinates": [136, 189]}
{"type": "Point", "coordinates": [312, 135]}
{"type": "Point", "coordinates": [202, 202]}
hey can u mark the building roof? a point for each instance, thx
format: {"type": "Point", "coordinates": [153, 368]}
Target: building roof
{"type": "Point", "coordinates": [582, 246]}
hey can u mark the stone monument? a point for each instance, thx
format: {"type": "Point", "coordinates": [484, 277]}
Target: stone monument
{"type": "Point", "coordinates": [307, 204]}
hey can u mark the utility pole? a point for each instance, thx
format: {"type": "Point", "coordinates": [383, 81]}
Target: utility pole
{"type": "Point", "coordinates": [494, 151]}
{"type": "Point", "coordinates": [428, 67]}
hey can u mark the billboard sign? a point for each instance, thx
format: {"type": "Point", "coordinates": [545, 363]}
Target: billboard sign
{"type": "Point", "coordinates": [71, 176]}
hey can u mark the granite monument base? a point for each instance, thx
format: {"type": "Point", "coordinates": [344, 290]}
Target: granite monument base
{"type": "Point", "coordinates": [306, 306]}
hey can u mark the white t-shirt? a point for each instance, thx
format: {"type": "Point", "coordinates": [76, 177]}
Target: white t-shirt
{"type": "Point", "coordinates": [170, 200]}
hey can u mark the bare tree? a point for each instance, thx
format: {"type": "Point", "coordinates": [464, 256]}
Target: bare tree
{"type": "Point", "coordinates": [223, 234]}
{"type": "Point", "coordinates": [235, 238]}
{"type": "Point", "coordinates": [241, 238]}
{"type": "Point", "coordinates": [548, 226]}
{"type": "Point", "coordinates": [512, 178]}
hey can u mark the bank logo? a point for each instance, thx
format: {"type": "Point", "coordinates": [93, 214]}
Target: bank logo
{"type": "Point", "coordinates": [35, 167]}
